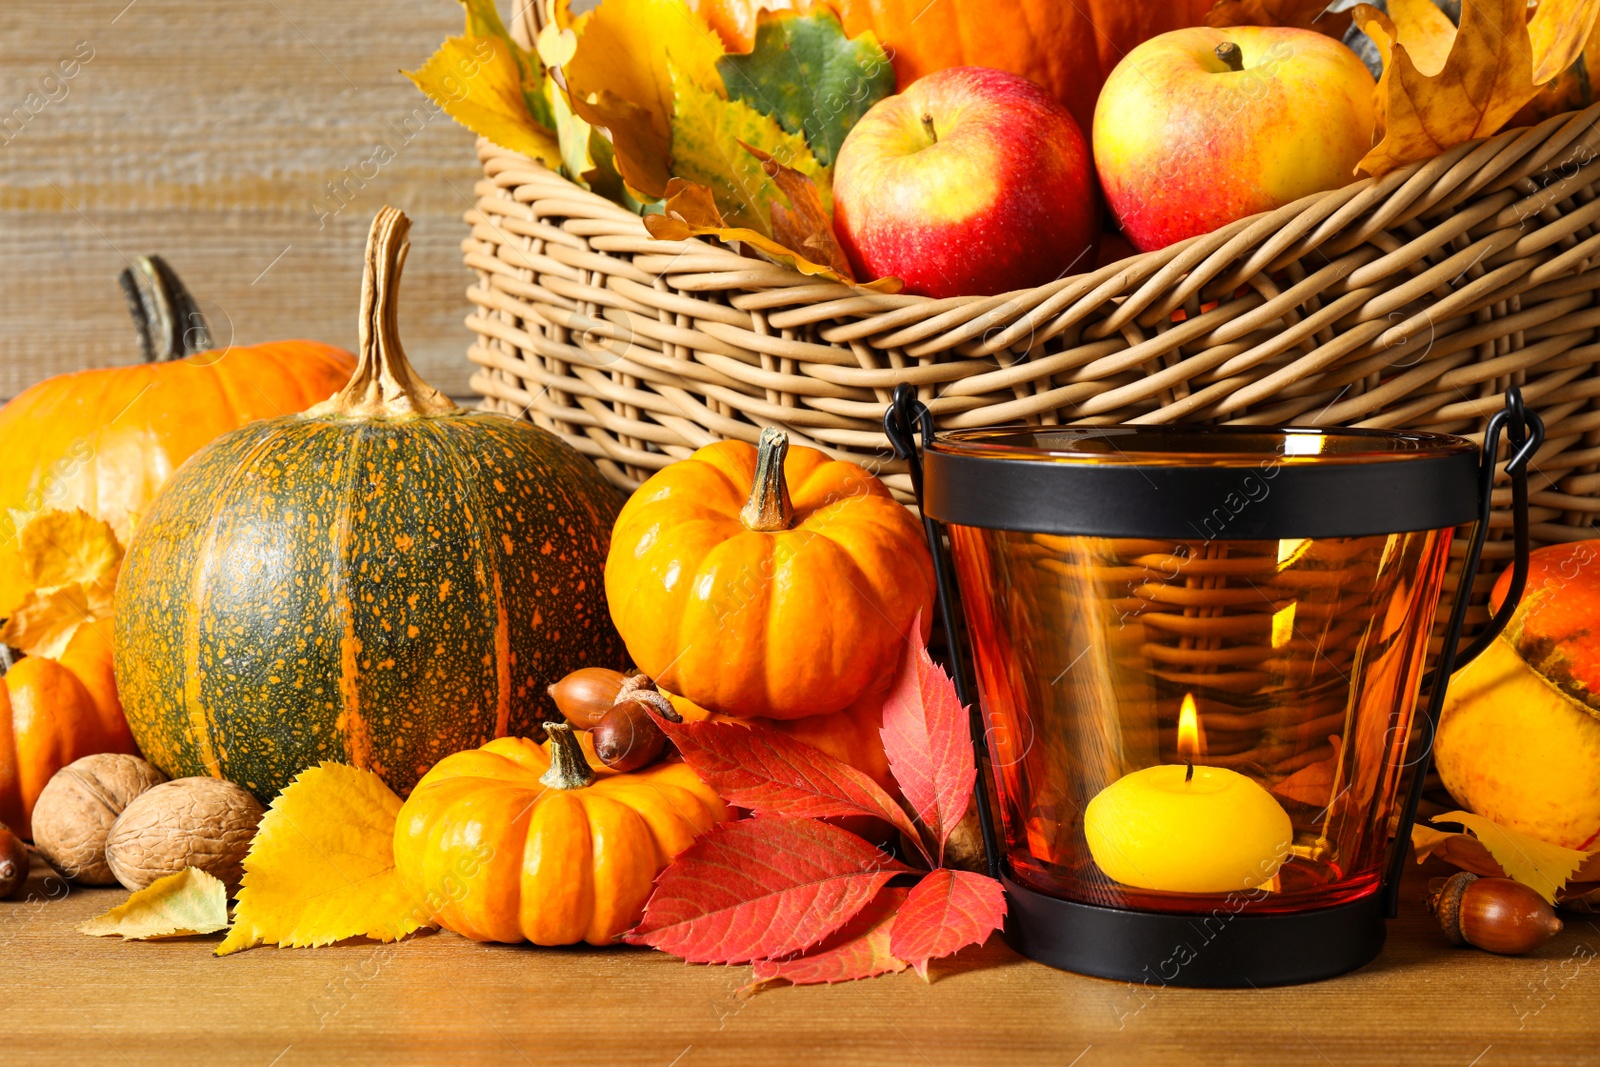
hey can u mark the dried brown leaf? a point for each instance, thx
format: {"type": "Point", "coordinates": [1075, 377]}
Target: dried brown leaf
{"type": "Point", "coordinates": [691, 211]}
{"type": "Point", "coordinates": [1441, 88]}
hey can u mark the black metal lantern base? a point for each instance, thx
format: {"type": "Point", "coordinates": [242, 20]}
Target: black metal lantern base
{"type": "Point", "coordinates": [1220, 949]}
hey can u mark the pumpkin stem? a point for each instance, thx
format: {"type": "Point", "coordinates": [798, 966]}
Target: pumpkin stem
{"type": "Point", "coordinates": [568, 767]}
{"type": "Point", "coordinates": [169, 322]}
{"type": "Point", "coordinates": [768, 508]}
{"type": "Point", "coordinates": [384, 386]}
{"type": "Point", "coordinates": [1231, 56]}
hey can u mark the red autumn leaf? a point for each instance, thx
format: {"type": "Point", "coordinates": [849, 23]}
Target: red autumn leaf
{"type": "Point", "coordinates": [757, 768]}
{"type": "Point", "coordinates": [944, 913]}
{"type": "Point", "coordinates": [859, 950]}
{"type": "Point", "coordinates": [761, 888]}
{"type": "Point", "coordinates": [927, 739]}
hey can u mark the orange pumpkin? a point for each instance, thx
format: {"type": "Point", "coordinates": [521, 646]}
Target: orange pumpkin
{"type": "Point", "coordinates": [51, 713]}
{"type": "Point", "coordinates": [105, 440]}
{"type": "Point", "coordinates": [770, 583]}
{"type": "Point", "coordinates": [518, 842]}
{"type": "Point", "coordinates": [1067, 47]}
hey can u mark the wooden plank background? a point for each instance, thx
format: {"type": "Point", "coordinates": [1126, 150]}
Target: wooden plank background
{"type": "Point", "coordinates": [250, 143]}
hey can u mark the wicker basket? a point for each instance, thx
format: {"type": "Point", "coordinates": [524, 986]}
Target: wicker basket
{"type": "Point", "coordinates": [1412, 300]}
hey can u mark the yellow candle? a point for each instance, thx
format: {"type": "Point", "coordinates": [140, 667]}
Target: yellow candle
{"type": "Point", "coordinates": [1212, 831]}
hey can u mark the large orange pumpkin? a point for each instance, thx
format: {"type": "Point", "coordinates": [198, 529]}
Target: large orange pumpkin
{"type": "Point", "coordinates": [51, 713]}
{"type": "Point", "coordinates": [514, 842]}
{"type": "Point", "coordinates": [767, 582]}
{"type": "Point", "coordinates": [105, 440]}
{"type": "Point", "coordinates": [1067, 46]}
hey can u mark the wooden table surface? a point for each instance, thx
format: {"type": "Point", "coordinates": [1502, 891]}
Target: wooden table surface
{"type": "Point", "coordinates": [215, 136]}
{"type": "Point", "coordinates": [69, 998]}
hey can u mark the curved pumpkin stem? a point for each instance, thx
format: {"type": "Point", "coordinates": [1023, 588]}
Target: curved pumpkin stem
{"type": "Point", "coordinates": [568, 767]}
{"type": "Point", "coordinates": [769, 508]}
{"type": "Point", "coordinates": [384, 386]}
{"type": "Point", "coordinates": [169, 322]}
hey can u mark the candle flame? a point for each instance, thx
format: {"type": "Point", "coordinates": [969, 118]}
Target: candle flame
{"type": "Point", "coordinates": [1191, 739]}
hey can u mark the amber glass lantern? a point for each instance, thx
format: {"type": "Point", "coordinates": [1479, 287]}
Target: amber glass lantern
{"type": "Point", "coordinates": [1197, 657]}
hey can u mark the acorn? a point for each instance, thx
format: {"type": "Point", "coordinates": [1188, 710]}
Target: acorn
{"type": "Point", "coordinates": [627, 738]}
{"type": "Point", "coordinates": [1495, 914]}
{"type": "Point", "coordinates": [13, 862]}
{"type": "Point", "coordinates": [585, 695]}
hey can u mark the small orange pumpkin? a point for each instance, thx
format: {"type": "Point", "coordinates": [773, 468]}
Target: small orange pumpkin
{"type": "Point", "coordinates": [51, 713]}
{"type": "Point", "coordinates": [518, 842]}
{"type": "Point", "coordinates": [767, 582]}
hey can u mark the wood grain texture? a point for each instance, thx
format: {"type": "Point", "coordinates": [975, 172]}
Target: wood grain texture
{"type": "Point", "coordinates": [250, 143]}
{"type": "Point", "coordinates": [442, 999]}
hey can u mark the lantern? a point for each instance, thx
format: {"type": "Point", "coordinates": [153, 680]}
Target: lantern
{"type": "Point", "coordinates": [1193, 657]}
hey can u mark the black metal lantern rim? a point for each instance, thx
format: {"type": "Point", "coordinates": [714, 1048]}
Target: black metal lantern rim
{"type": "Point", "coordinates": [1200, 484]}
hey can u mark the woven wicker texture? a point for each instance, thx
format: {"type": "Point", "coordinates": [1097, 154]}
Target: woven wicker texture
{"type": "Point", "coordinates": [1412, 300]}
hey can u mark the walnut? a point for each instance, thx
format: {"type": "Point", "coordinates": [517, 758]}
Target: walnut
{"type": "Point", "coordinates": [188, 822]}
{"type": "Point", "coordinates": [76, 808]}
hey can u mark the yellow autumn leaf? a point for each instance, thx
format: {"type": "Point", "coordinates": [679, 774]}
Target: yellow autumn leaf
{"type": "Point", "coordinates": [476, 81]}
{"type": "Point", "coordinates": [1425, 31]}
{"type": "Point", "coordinates": [1442, 85]}
{"type": "Point", "coordinates": [557, 44]}
{"type": "Point", "coordinates": [69, 562]}
{"type": "Point", "coordinates": [321, 867]}
{"type": "Point", "coordinates": [64, 547]}
{"type": "Point", "coordinates": [708, 139]}
{"type": "Point", "coordinates": [48, 618]}
{"type": "Point", "coordinates": [1539, 865]}
{"type": "Point", "coordinates": [619, 78]}
{"type": "Point", "coordinates": [179, 905]}
{"type": "Point", "coordinates": [558, 13]}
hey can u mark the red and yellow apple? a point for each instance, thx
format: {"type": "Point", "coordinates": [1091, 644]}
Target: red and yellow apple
{"type": "Point", "coordinates": [1519, 737]}
{"type": "Point", "coordinates": [1199, 127]}
{"type": "Point", "coordinates": [971, 182]}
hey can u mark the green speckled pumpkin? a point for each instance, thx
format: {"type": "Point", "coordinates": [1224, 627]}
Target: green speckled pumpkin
{"type": "Point", "coordinates": [382, 580]}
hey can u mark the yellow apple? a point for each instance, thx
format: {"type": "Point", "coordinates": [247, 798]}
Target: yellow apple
{"type": "Point", "coordinates": [1199, 127]}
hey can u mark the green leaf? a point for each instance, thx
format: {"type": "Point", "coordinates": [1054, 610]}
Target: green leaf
{"type": "Point", "coordinates": [804, 72]}
{"type": "Point", "coordinates": [483, 20]}
{"type": "Point", "coordinates": [707, 132]}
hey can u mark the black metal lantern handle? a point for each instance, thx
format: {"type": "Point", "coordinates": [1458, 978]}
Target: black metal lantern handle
{"type": "Point", "coordinates": [907, 419]}
{"type": "Point", "coordinates": [1525, 431]}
